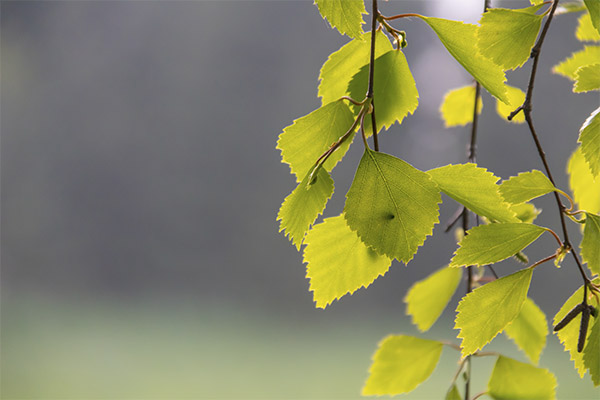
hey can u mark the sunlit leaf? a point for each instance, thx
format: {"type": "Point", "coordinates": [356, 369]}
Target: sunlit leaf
{"type": "Point", "coordinates": [475, 188]}
{"type": "Point", "coordinates": [426, 299]}
{"type": "Point", "coordinates": [589, 137]}
{"type": "Point", "coordinates": [344, 15]}
{"type": "Point", "coordinates": [308, 137]}
{"type": "Point", "coordinates": [394, 92]}
{"type": "Point", "coordinates": [338, 262]}
{"type": "Point", "coordinates": [585, 29]}
{"type": "Point", "coordinates": [515, 380]}
{"type": "Point", "coordinates": [487, 244]}
{"type": "Point", "coordinates": [568, 67]}
{"type": "Point", "coordinates": [343, 64]}
{"type": "Point", "coordinates": [584, 187]}
{"type": "Point", "coordinates": [526, 186]}
{"type": "Point", "coordinates": [516, 98]}
{"type": "Point", "coordinates": [457, 107]}
{"type": "Point", "coordinates": [587, 78]}
{"type": "Point", "coordinates": [591, 353]}
{"type": "Point", "coordinates": [526, 212]}
{"type": "Point", "coordinates": [593, 7]}
{"type": "Point", "coordinates": [536, 2]}
{"type": "Point", "coordinates": [460, 40]}
{"type": "Point", "coordinates": [400, 364]}
{"type": "Point", "coordinates": [506, 36]}
{"type": "Point", "coordinates": [590, 245]}
{"type": "Point", "coordinates": [392, 205]}
{"type": "Point", "coordinates": [529, 330]}
{"type": "Point", "coordinates": [302, 207]}
{"type": "Point", "coordinates": [486, 311]}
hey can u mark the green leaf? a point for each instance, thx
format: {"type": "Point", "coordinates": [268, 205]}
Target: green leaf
{"type": "Point", "coordinates": [308, 137]}
{"type": "Point", "coordinates": [302, 207]}
{"type": "Point", "coordinates": [338, 262]}
{"type": "Point", "coordinates": [589, 137]}
{"type": "Point", "coordinates": [460, 40]}
{"type": "Point", "coordinates": [457, 107]}
{"type": "Point", "coordinates": [590, 245]}
{"type": "Point", "coordinates": [506, 36]}
{"type": "Point", "coordinates": [569, 335]}
{"type": "Point", "coordinates": [587, 78]}
{"type": "Point", "coordinates": [593, 7]}
{"type": "Point", "coordinates": [526, 186]}
{"type": "Point", "coordinates": [453, 394]}
{"type": "Point", "coordinates": [426, 299]}
{"type": "Point", "coordinates": [529, 330]}
{"type": "Point", "coordinates": [585, 29]}
{"type": "Point", "coordinates": [536, 2]}
{"type": "Point", "coordinates": [343, 64]}
{"type": "Point", "coordinates": [584, 186]}
{"type": "Point", "coordinates": [486, 311]}
{"type": "Point", "coordinates": [475, 188]}
{"type": "Point", "coordinates": [487, 244]}
{"type": "Point", "coordinates": [400, 364]}
{"type": "Point", "coordinates": [591, 353]}
{"type": "Point", "coordinates": [395, 93]}
{"type": "Point", "coordinates": [526, 212]}
{"type": "Point", "coordinates": [512, 379]}
{"type": "Point", "coordinates": [391, 205]}
{"type": "Point", "coordinates": [516, 97]}
{"type": "Point", "coordinates": [568, 67]}
{"type": "Point", "coordinates": [345, 15]}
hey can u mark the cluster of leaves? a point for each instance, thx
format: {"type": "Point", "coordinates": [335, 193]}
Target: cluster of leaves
{"type": "Point", "coordinates": [392, 207]}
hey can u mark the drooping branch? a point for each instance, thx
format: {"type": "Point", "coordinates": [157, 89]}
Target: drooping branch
{"type": "Point", "coordinates": [370, 90]}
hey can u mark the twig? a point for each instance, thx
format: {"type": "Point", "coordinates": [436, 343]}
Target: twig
{"type": "Point", "coordinates": [370, 90]}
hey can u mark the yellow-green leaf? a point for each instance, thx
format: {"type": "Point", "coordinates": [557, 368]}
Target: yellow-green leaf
{"type": "Point", "coordinates": [590, 244]}
{"type": "Point", "coordinates": [529, 330]}
{"type": "Point", "coordinates": [536, 2]}
{"type": "Point", "coordinates": [487, 244]}
{"type": "Point", "coordinates": [506, 36]}
{"type": "Point", "coordinates": [587, 78]}
{"type": "Point", "coordinates": [453, 394]}
{"type": "Point", "coordinates": [308, 137]}
{"type": "Point", "coordinates": [400, 364]}
{"type": "Point", "coordinates": [589, 137]}
{"type": "Point", "coordinates": [475, 188]}
{"type": "Point", "coordinates": [515, 380]}
{"type": "Point", "coordinates": [568, 67]}
{"type": "Point", "coordinates": [593, 7]}
{"type": "Point", "coordinates": [391, 205]}
{"type": "Point", "coordinates": [486, 311]}
{"type": "Point", "coordinates": [343, 64]}
{"type": "Point", "coordinates": [584, 186]}
{"type": "Point", "coordinates": [526, 186]}
{"type": "Point", "coordinates": [458, 104]}
{"type": "Point", "coordinates": [516, 98]}
{"type": "Point", "coordinates": [585, 29]}
{"type": "Point", "coordinates": [426, 299]}
{"type": "Point", "coordinates": [344, 15]}
{"type": "Point", "coordinates": [526, 212]}
{"type": "Point", "coordinates": [591, 353]}
{"type": "Point", "coordinates": [338, 262]}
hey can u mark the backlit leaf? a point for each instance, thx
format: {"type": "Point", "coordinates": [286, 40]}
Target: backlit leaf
{"type": "Point", "coordinates": [591, 353]}
{"type": "Point", "coordinates": [457, 107]}
{"type": "Point", "coordinates": [585, 29]}
{"type": "Point", "coordinates": [344, 15]}
{"type": "Point", "coordinates": [343, 64]}
{"type": "Point", "coordinates": [400, 364]}
{"type": "Point", "coordinates": [584, 186]}
{"type": "Point", "coordinates": [475, 188]}
{"type": "Point", "coordinates": [568, 67]}
{"type": "Point", "coordinates": [302, 207]}
{"type": "Point", "coordinates": [486, 311]}
{"type": "Point", "coordinates": [426, 299]}
{"type": "Point", "coordinates": [536, 2]}
{"type": "Point", "coordinates": [506, 36]}
{"type": "Point", "coordinates": [460, 40]}
{"type": "Point", "coordinates": [590, 244]}
{"type": "Point", "coordinates": [391, 205]}
{"type": "Point", "coordinates": [529, 330]}
{"type": "Point", "coordinates": [338, 262]}
{"type": "Point", "coordinates": [487, 244]}
{"type": "Point", "coordinates": [308, 137]}
{"type": "Point", "coordinates": [515, 380]}
{"type": "Point", "coordinates": [587, 78]}
{"type": "Point", "coordinates": [394, 92]}
{"type": "Point", "coordinates": [589, 137]}
{"type": "Point", "coordinates": [593, 7]}
{"type": "Point", "coordinates": [526, 186]}
{"type": "Point", "coordinates": [526, 212]}
{"type": "Point", "coordinates": [516, 98]}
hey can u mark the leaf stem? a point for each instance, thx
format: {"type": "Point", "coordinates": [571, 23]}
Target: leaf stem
{"type": "Point", "coordinates": [393, 17]}
{"type": "Point", "coordinates": [543, 260]}
{"type": "Point", "coordinates": [478, 395]}
{"type": "Point", "coordinates": [370, 90]}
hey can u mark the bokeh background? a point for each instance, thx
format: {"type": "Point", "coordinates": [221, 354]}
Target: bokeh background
{"type": "Point", "coordinates": [140, 183]}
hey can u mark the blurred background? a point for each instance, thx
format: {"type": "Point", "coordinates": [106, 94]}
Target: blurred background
{"type": "Point", "coordinates": [140, 184]}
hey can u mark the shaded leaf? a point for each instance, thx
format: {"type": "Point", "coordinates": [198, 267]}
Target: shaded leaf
{"type": "Point", "coordinates": [526, 186]}
{"type": "Point", "coordinates": [591, 353]}
{"type": "Point", "coordinates": [400, 364]}
{"type": "Point", "coordinates": [587, 78]}
{"type": "Point", "coordinates": [303, 142]}
{"type": "Point", "coordinates": [487, 244]}
{"type": "Point", "coordinates": [512, 379]}
{"type": "Point", "coordinates": [593, 7]}
{"type": "Point", "coordinates": [529, 330]}
{"type": "Point", "coordinates": [568, 67]}
{"type": "Point", "coordinates": [453, 394]}
{"type": "Point", "coordinates": [475, 188]}
{"type": "Point", "coordinates": [457, 106]}
{"type": "Point", "coordinates": [589, 137]}
{"type": "Point", "coordinates": [526, 212]}
{"type": "Point", "coordinates": [486, 311]}
{"type": "Point", "coordinates": [338, 262]}
{"type": "Point", "coordinates": [590, 245]}
{"type": "Point", "coordinates": [426, 299]}
{"type": "Point", "coordinates": [344, 15]}
{"type": "Point", "coordinates": [585, 29]}
{"type": "Point", "coordinates": [516, 97]}
{"type": "Point", "coordinates": [392, 205]}
{"type": "Point", "coordinates": [584, 187]}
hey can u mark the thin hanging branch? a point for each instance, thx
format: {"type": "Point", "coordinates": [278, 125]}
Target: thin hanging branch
{"type": "Point", "coordinates": [370, 90]}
